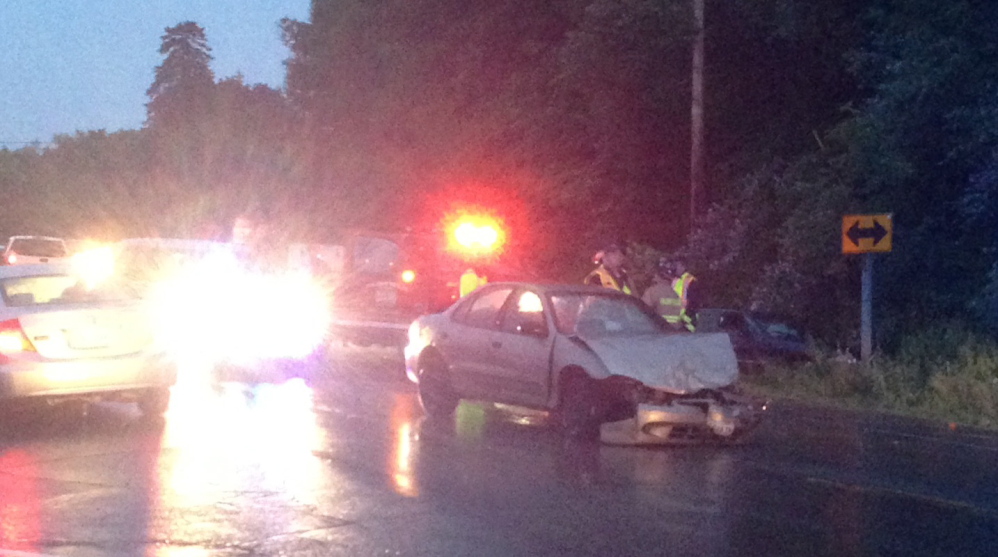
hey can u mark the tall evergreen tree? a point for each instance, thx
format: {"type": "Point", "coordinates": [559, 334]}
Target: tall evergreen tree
{"type": "Point", "coordinates": [181, 92]}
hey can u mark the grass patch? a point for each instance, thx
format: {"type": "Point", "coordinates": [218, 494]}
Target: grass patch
{"type": "Point", "coordinates": [946, 373]}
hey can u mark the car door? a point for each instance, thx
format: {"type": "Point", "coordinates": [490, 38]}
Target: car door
{"type": "Point", "coordinates": [467, 344]}
{"type": "Point", "coordinates": [521, 349]}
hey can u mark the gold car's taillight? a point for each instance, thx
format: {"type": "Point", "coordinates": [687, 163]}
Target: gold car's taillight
{"type": "Point", "coordinates": [13, 339]}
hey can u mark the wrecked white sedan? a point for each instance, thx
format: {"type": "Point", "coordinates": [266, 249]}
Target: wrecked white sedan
{"type": "Point", "coordinates": [601, 362]}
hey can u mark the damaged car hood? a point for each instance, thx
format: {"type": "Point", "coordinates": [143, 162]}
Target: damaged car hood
{"type": "Point", "coordinates": [680, 363]}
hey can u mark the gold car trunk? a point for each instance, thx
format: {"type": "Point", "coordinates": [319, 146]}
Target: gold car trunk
{"type": "Point", "coordinates": [87, 333]}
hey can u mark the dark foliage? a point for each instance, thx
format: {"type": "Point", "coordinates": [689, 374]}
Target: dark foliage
{"type": "Point", "coordinates": [572, 119]}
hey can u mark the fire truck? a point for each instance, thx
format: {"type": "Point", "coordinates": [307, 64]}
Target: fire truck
{"type": "Point", "coordinates": [385, 280]}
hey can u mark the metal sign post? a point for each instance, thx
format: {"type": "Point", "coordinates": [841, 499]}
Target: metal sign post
{"type": "Point", "coordinates": [866, 315]}
{"type": "Point", "coordinates": [867, 234]}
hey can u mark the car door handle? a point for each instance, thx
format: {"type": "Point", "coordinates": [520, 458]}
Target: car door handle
{"type": "Point", "coordinates": [496, 344]}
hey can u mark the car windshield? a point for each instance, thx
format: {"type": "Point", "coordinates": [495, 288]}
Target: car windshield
{"type": "Point", "coordinates": [595, 315]}
{"type": "Point", "coordinates": [38, 247]}
{"type": "Point", "coordinates": [374, 256]}
{"type": "Point", "coordinates": [55, 289]}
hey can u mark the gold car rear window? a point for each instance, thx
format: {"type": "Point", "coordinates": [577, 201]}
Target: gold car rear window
{"type": "Point", "coordinates": [52, 289]}
{"type": "Point", "coordinates": [38, 247]}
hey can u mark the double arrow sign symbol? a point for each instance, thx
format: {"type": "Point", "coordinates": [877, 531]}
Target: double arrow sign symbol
{"type": "Point", "coordinates": [866, 233]}
{"type": "Point", "coordinates": [857, 233]}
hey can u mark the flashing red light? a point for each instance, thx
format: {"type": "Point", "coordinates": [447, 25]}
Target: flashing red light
{"type": "Point", "coordinates": [476, 235]}
{"type": "Point", "coordinates": [408, 276]}
{"type": "Point", "coordinates": [470, 236]}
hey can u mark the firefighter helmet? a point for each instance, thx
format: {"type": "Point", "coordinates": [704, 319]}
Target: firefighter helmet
{"type": "Point", "coordinates": [667, 268]}
{"type": "Point", "coordinates": [609, 246]}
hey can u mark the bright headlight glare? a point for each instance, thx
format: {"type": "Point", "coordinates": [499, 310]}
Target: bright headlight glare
{"type": "Point", "coordinates": [413, 334]}
{"type": "Point", "coordinates": [94, 265]}
{"type": "Point", "coordinates": [219, 312]}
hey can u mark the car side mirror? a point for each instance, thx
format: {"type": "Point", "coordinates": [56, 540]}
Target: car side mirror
{"type": "Point", "coordinates": [533, 329]}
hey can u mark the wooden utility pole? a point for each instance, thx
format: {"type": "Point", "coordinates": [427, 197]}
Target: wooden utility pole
{"type": "Point", "coordinates": [696, 113]}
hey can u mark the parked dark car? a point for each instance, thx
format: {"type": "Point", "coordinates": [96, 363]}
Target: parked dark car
{"type": "Point", "coordinates": [757, 339]}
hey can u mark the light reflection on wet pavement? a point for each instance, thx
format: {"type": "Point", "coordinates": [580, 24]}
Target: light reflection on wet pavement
{"type": "Point", "coordinates": [350, 467]}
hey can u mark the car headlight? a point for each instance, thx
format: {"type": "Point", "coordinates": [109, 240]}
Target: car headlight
{"type": "Point", "coordinates": [417, 338]}
{"type": "Point", "coordinates": [224, 313]}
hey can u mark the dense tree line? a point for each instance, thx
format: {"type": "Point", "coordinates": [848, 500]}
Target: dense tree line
{"type": "Point", "coordinates": [574, 116]}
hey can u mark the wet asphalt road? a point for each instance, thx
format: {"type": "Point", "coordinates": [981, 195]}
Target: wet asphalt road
{"type": "Point", "coordinates": [350, 468]}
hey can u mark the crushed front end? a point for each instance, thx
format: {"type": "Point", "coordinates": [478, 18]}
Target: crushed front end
{"type": "Point", "coordinates": [659, 417]}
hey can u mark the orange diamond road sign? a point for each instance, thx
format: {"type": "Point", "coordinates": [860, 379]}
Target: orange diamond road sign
{"type": "Point", "coordinates": [867, 233]}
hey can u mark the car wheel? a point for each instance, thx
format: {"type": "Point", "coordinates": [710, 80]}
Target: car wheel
{"type": "Point", "coordinates": [154, 402]}
{"type": "Point", "coordinates": [578, 412]}
{"type": "Point", "coordinates": [436, 394]}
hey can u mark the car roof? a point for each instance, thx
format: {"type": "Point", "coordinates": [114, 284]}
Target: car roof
{"type": "Point", "coordinates": [27, 238]}
{"type": "Point", "coordinates": [559, 287]}
{"type": "Point", "coordinates": [31, 237]}
{"type": "Point", "coordinates": [173, 244]}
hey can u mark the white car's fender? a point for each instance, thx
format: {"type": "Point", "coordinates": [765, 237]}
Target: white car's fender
{"type": "Point", "coordinates": [420, 338]}
{"type": "Point", "coordinates": [573, 352]}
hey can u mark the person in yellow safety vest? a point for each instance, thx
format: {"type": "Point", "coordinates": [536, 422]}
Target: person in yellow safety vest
{"type": "Point", "coordinates": [610, 271]}
{"type": "Point", "coordinates": [684, 284]}
{"type": "Point", "coordinates": [470, 280]}
{"type": "Point", "coordinates": [662, 297]}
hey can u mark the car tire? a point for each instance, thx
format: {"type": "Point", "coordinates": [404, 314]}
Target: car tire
{"type": "Point", "coordinates": [154, 402]}
{"type": "Point", "coordinates": [436, 394]}
{"type": "Point", "coordinates": [579, 409]}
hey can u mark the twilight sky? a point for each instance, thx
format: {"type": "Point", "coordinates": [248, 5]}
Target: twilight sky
{"type": "Point", "coordinates": [80, 65]}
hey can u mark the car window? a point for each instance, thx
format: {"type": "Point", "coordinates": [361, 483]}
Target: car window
{"type": "Point", "coordinates": [483, 309]}
{"type": "Point", "coordinates": [55, 289]}
{"type": "Point", "coordinates": [461, 311]}
{"type": "Point", "coordinates": [595, 315]}
{"type": "Point", "coordinates": [38, 247]}
{"type": "Point", "coordinates": [525, 312]}
{"type": "Point", "coordinates": [375, 256]}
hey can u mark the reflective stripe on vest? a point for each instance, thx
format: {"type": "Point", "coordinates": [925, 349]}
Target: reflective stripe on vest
{"type": "Point", "coordinates": [671, 309]}
{"type": "Point", "coordinates": [607, 280]}
{"type": "Point", "coordinates": [682, 287]}
{"type": "Point", "coordinates": [664, 300]}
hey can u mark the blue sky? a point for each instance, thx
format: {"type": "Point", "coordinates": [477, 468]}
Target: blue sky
{"type": "Point", "coordinates": [81, 65]}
